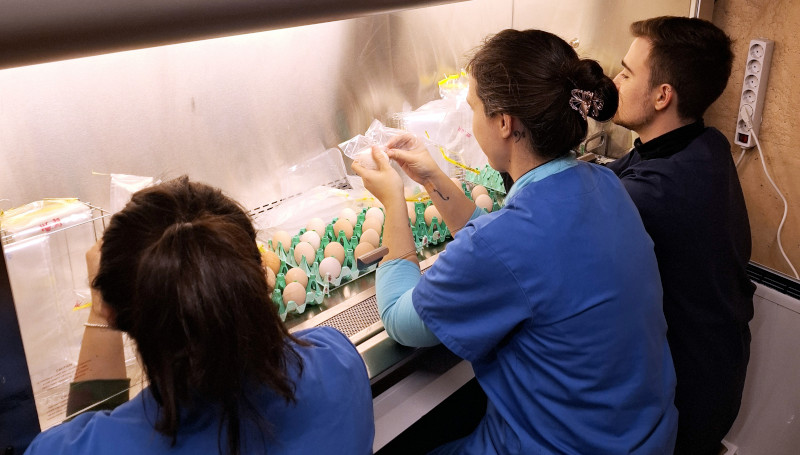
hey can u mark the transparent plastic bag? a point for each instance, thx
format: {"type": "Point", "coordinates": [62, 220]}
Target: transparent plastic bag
{"type": "Point", "coordinates": [123, 186]}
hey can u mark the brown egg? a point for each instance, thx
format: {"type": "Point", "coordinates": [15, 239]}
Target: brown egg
{"type": "Point", "coordinates": [484, 201]}
{"type": "Point", "coordinates": [456, 181]}
{"type": "Point", "coordinates": [304, 250]}
{"type": "Point", "coordinates": [361, 249]}
{"type": "Point", "coordinates": [334, 250]}
{"type": "Point", "coordinates": [295, 292]}
{"type": "Point", "coordinates": [296, 274]}
{"type": "Point", "coordinates": [342, 224]}
{"type": "Point", "coordinates": [284, 239]}
{"type": "Point", "coordinates": [374, 212]}
{"type": "Point", "coordinates": [412, 214]}
{"type": "Point", "coordinates": [372, 223]}
{"type": "Point", "coordinates": [371, 237]}
{"type": "Point", "coordinates": [430, 213]}
{"type": "Point", "coordinates": [477, 190]}
{"type": "Point", "coordinates": [271, 278]}
{"type": "Point", "coordinates": [271, 260]}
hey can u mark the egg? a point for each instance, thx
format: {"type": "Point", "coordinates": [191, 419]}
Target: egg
{"type": "Point", "coordinates": [271, 279]}
{"type": "Point", "coordinates": [294, 292]}
{"type": "Point", "coordinates": [284, 239]}
{"type": "Point", "coordinates": [342, 224]}
{"type": "Point", "coordinates": [329, 269]}
{"type": "Point", "coordinates": [334, 250]}
{"type": "Point", "coordinates": [371, 237]}
{"type": "Point", "coordinates": [312, 238]}
{"type": "Point", "coordinates": [271, 260]}
{"type": "Point", "coordinates": [304, 250]}
{"type": "Point", "coordinates": [364, 158]}
{"type": "Point", "coordinates": [374, 212]}
{"type": "Point", "coordinates": [316, 225]}
{"type": "Point", "coordinates": [372, 223]}
{"type": "Point", "coordinates": [412, 212]}
{"type": "Point", "coordinates": [457, 182]}
{"type": "Point", "coordinates": [484, 201]}
{"type": "Point", "coordinates": [362, 249]}
{"type": "Point", "coordinates": [430, 213]}
{"type": "Point", "coordinates": [297, 275]}
{"type": "Point", "coordinates": [349, 214]}
{"type": "Point", "coordinates": [477, 190]}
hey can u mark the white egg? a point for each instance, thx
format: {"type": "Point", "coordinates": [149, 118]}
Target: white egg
{"type": "Point", "coordinates": [329, 269]}
{"type": "Point", "coordinates": [349, 214]}
{"type": "Point", "coordinates": [374, 212]}
{"type": "Point", "coordinates": [298, 275]}
{"type": "Point", "coordinates": [484, 201]}
{"type": "Point", "coordinates": [477, 190]}
{"type": "Point", "coordinates": [412, 213]}
{"type": "Point", "coordinates": [284, 239]}
{"type": "Point", "coordinates": [311, 237]}
{"type": "Point", "coordinates": [430, 213]}
{"type": "Point", "coordinates": [372, 223]}
{"type": "Point", "coordinates": [334, 250]}
{"type": "Point", "coordinates": [294, 292]}
{"type": "Point", "coordinates": [304, 250]}
{"type": "Point", "coordinates": [317, 225]}
{"type": "Point", "coordinates": [371, 237]}
{"type": "Point", "coordinates": [342, 224]}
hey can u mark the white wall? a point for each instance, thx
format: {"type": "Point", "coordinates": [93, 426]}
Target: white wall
{"type": "Point", "coordinates": [769, 420]}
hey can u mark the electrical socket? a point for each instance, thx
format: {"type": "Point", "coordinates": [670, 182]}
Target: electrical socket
{"type": "Point", "coordinates": [754, 90]}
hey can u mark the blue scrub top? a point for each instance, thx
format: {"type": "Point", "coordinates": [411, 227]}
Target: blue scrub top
{"type": "Point", "coordinates": [332, 414]}
{"type": "Point", "coordinates": [556, 302]}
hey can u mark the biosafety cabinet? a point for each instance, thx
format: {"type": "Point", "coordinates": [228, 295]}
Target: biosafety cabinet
{"type": "Point", "coordinates": [253, 97]}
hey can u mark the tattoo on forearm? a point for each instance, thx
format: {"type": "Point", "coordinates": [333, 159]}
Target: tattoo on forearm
{"type": "Point", "coordinates": [518, 135]}
{"type": "Point", "coordinates": [441, 195]}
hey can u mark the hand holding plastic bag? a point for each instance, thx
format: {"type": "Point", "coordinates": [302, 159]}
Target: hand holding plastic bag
{"type": "Point", "coordinates": [384, 182]}
{"type": "Point", "coordinates": [412, 155]}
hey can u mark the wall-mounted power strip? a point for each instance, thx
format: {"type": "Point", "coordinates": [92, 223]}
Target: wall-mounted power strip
{"type": "Point", "coordinates": [754, 90]}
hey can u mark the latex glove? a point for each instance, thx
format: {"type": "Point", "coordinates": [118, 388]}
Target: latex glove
{"type": "Point", "coordinates": [384, 182]}
{"type": "Point", "coordinates": [410, 153]}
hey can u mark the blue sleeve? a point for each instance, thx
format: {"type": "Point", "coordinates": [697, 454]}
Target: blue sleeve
{"type": "Point", "coordinates": [395, 281]}
{"type": "Point", "coordinates": [478, 212]}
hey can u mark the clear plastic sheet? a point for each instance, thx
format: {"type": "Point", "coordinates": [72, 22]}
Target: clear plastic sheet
{"type": "Point", "coordinates": [45, 246]}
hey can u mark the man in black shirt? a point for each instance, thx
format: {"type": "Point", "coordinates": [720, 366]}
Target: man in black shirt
{"type": "Point", "coordinates": [681, 177]}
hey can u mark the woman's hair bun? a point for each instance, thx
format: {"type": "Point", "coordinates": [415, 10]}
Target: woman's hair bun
{"type": "Point", "coordinates": [587, 75]}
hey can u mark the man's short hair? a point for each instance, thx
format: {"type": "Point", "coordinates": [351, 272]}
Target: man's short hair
{"type": "Point", "coordinates": [691, 55]}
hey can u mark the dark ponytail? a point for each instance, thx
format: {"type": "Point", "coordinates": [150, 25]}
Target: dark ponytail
{"type": "Point", "coordinates": [181, 270]}
{"type": "Point", "coordinates": [530, 75]}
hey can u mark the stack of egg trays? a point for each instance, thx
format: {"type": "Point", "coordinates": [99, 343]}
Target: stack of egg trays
{"type": "Point", "coordinates": [318, 287]}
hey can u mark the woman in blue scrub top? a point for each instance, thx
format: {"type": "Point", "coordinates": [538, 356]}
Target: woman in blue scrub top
{"type": "Point", "coordinates": [179, 271]}
{"type": "Point", "coordinates": [555, 299]}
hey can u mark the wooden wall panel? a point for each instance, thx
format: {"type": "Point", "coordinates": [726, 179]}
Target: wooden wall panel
{"type": "Point", "coordinates": [778, 20]}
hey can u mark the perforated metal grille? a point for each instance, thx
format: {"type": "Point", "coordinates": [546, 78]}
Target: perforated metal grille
{"type": "Point", "coordinates": [356, 318]}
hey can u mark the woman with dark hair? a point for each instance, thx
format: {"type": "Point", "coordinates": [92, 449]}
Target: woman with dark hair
{"type": "Point", "coordinates": [181, 274]}
{"type": "Point", "coordinates": [564, 330]}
